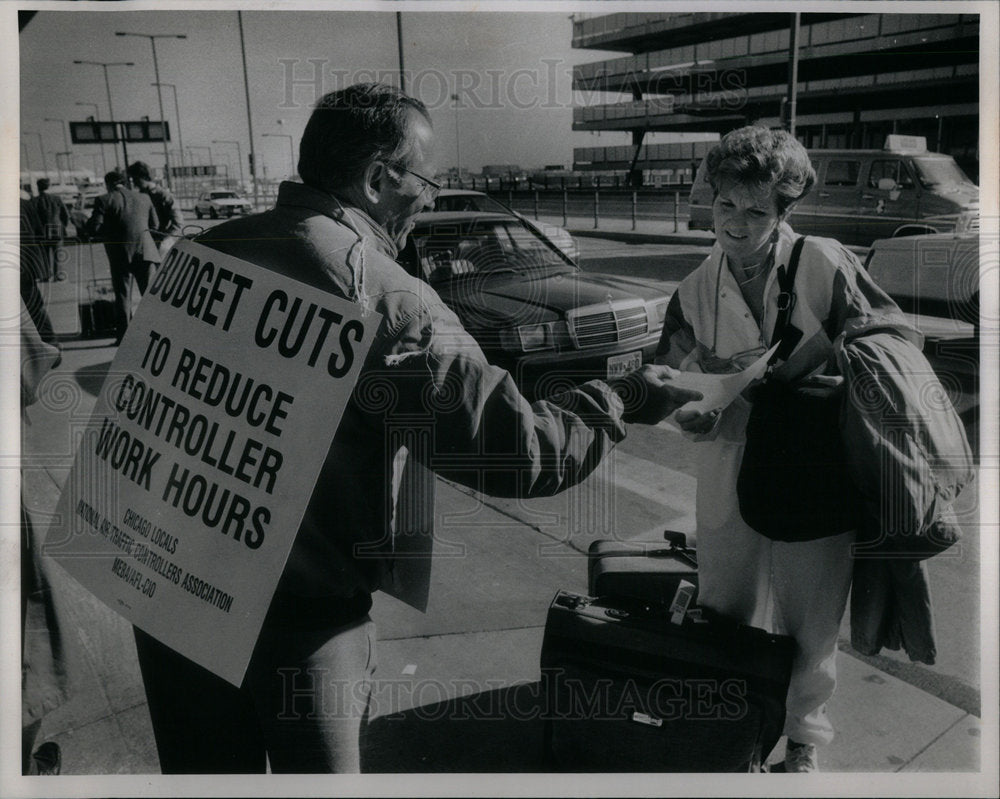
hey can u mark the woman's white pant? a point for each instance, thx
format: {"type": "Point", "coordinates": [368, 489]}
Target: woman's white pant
{"type": "Point", "coordinates": [798, 589]}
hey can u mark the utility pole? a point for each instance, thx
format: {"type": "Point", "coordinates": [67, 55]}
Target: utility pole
{"type": "Point", "coordinates": [97, 114]}
{"type": "Point", "coordinates": [107, 85]}
{"type": "Point", "coordinates": [458, 149]}
{"type": "Point", "coordinates": [246, 87]}
{"type": "Point", "coordinates": [177, 114]}
{"type": "Point", "coordinates": [239, 156]}
{"type": "Point", "coordinates": [399, 44]}
{"type": "Point", "coordinates": [793, 72]}
{"type": "Point", "coordinates": [159, 94]}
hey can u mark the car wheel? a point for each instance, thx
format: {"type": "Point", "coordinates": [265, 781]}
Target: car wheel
{"type": "Point", "coordinates": [198, 213]}
{"type": "Point", "coordinates": [213, 213]}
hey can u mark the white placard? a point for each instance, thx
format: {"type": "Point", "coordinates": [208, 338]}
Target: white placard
{"type": "Point", "coordinates": [206, 441]}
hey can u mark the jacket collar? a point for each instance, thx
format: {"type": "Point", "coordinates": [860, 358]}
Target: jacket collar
{"type": "Point", "coordinates": [299, 195]}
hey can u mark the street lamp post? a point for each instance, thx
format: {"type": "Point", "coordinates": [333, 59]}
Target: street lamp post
{"type": "Point", "coordinates": [246, 94]}
{"type": "Point", "coordinates": [177, 114]}
{"type": "Point", "coordinates": [41, 148]}
{"type": "Point", "coordinates": [64, 126]}
{"type": "Point", "coordinates": [97, 113]}
{"type": "Point", "coordinates": [291, 146]}
{"type": "Point", "coordinates": [107, 85]}
{"type": "Point", "coordinates": [159, 94]}
{"type": "Point", "coordinates": [458, 146]}
{"type": "Point", "coordinates": [239, 155]}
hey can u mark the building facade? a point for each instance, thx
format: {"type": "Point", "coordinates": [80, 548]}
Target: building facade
{"type": "Point", "coordinates": [860, 78]}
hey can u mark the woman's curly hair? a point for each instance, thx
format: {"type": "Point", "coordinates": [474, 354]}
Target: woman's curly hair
{"type": "Point", "coordinates": [766, 159]}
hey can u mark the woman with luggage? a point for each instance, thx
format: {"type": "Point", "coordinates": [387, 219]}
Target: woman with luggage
{"type": "Point", "coordinates": [722, 318]}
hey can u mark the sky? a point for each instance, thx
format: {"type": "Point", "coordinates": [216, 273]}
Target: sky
{"type": "Point", "coordinates": [513, 72]}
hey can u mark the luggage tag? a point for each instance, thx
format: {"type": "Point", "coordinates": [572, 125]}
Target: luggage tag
{"type": "Point", "coordinates": [682, 600]}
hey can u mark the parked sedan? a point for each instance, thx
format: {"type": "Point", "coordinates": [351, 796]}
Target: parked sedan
{"type": "Point", "coordinates": [467, 200]}
{"type": "Point", "coordinates": [221, 202]}
{"type": "Point", "coordinates": [532, 310]}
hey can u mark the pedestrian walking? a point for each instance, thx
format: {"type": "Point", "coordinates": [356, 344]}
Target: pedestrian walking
{"type": "Point", "coordinates": [32, 258]}
{"type": "Point", "coordinates": [170, 219]}
{"type": "Point", "coordinates": [53, 216]}
{"type": "Point", "coordinates": [124, 220]}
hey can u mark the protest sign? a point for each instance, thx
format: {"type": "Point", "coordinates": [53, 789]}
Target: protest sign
{"type": "Point", "coordinates": [203, 450]}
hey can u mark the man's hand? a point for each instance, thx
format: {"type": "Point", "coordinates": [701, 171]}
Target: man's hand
{"type": "Point", "coordinates": [648, 394]}
{"type": "Point", "coordinates": [696, 423]}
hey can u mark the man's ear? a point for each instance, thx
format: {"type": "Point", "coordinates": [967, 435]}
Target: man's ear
{"type": "Point", "coordinates": [373, 176]}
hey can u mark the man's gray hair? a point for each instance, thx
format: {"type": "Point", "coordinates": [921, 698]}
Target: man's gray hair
{"type": "Point", "coordinates": [352, 127]}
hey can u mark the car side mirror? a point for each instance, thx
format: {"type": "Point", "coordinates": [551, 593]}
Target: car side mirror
{"type": "Point", "coordinates": [886, 184]}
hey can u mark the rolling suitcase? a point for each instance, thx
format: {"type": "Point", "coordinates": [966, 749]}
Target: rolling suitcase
{"type": "Point", "coordinates": [628, 690]}
{"type": "Point", "coordinates": [97, 312]}
{"type": "Point", "coordinates": [649, 571]}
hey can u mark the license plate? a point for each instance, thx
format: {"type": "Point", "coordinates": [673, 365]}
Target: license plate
{"type": "Point", "coordinates": [620, 365]}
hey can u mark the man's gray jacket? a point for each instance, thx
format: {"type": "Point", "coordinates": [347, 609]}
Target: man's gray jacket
{"type": "Point", "coordinates": [425, 386]}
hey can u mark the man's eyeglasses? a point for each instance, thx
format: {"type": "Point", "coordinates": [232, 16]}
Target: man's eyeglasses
{"type": "Point", "coordinates": [432, 185]}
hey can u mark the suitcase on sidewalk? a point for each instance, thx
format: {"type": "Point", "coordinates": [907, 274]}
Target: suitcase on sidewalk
{"type": "Point", "coordinates": [628, 690]}
{"type": "Point", "coordinates": [97, 312]}
{"type": "Point", "coordinates": [649, 571]}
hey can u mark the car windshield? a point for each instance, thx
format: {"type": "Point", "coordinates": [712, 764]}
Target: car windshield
{"type": "Point", "coordinates": [469, 202]}
{"type": "Point", "coordinates": [447, 250]}
{"type": "Point", "coordinates": [940, 172]}
{"type": "Point", "coordinates": [223, 195]}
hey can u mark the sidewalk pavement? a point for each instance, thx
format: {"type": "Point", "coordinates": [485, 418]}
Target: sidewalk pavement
{"type": "Point", "coordinates": [453, 689]}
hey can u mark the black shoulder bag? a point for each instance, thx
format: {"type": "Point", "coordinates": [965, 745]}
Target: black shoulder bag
{"type": "Point", "coordinates": [793, 483]}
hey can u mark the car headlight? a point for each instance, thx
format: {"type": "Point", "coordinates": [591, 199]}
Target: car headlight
{"type": "Point", "coordinates": [656, 312]}
{"type": "Point", "coordinates": [529, 338]}
{"type": "Point", "coordinates": [967, 221]}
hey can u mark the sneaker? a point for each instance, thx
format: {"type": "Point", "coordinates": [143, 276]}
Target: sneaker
{"type": "Point", "coordinates": [800, 758]}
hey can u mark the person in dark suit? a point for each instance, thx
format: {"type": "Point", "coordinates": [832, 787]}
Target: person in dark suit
{"type": "Point", "coordinates": [123, 219]}
{"type": "Point", "coordinates": [54, 216]}
{"type": "Point", "coordinates": [170, 220]}
{"type": "Point", "coordinates": [32, 267]}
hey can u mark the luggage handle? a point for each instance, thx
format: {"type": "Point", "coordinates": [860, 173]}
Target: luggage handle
{"type": "Point", "coordinates": [677, 546]}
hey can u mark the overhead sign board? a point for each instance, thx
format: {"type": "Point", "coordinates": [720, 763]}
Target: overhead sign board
{"type": "Point", "coordinates": [142, 130]}
{"type": "Point", "coordinates": [194, 171]}
{"type": "Point", "coordinates": [93, 132]}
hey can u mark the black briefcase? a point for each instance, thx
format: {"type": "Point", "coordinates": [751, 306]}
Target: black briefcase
{"type": "Point", "coordinates": [626, 689]}
{"type": "Point", "coordinates": [650, 571]}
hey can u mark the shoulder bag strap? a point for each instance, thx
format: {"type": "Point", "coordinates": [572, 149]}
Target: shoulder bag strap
{"type": "Point", "coordinates": [786, 301]}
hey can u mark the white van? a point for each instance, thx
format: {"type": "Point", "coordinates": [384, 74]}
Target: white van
{"type": "Point", "coordinates": [863, 195]}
